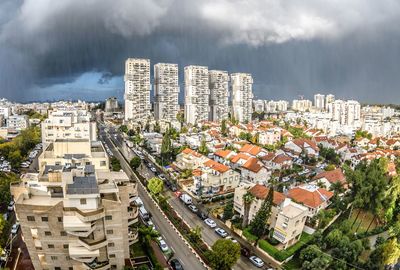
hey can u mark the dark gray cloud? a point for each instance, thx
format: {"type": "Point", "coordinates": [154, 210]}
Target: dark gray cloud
{"type": "Point", "coordinates": [348, 47]}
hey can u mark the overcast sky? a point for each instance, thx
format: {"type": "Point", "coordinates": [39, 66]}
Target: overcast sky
{"type": "Point", "coordinates": [74, 49]}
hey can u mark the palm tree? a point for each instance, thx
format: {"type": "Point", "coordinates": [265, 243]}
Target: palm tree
{"type": "Point", "coordinates": [337, 188]}
{"type": "Point", "coordinates": [146, 234]}
{"type": "Point", "coordinates": [248, 198]}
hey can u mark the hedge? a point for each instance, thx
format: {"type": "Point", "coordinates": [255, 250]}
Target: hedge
{"type": "Point", "coordinates": [282, 255]}
{"type": "Point", "coordinates": [249, 236]}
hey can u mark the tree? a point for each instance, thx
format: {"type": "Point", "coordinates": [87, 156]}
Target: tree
{"type": "Point", "coordinates": [390, 251]}
{"type": "Point", "coordinates": [135, 162]}
{"type": "Point", "coordinates": [180, 117]}
{"type": "Point", "coordinates": [248, 198]}
{"type": "Point", "coordinates": [123, 128]}
{"type": "Point", "coordinates": [259, 223]}
{"type": "Point", "coordinates": [203, 147]}
{"type": "Point", "coordinates": [333, 238]}
{"type": "Point", "coordinates": [195, 234]}
{"type": "Point", "coordinates": [224, 254]}
{"type": "Point", "coordinates": [155, 185]}
{"type": "Point", "coordinates": [115, 164]}
{"type": "Point", "coordinates": [228, 210]}
{"type": "Point", "coordinates": [157, 127]}
{"type": "Point", "coordinates": [224, 129]}
{"type": "Point", "coordinates": [313, 258]}
{"type": "Point", "coordinates": [166, 148]}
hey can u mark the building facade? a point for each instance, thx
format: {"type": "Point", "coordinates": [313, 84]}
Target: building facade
{"type": "Point", "coordinates": [242, 96]}
{"type": "Point", "coordinates": [166, 91]}
{"type": "Point", "coordinates": [219, 94]}
{"type": "Point", "coordinates": [197, 94]}
{"type": "Point", "coordinates": [319, 101]}
{"type": "Point", "coordinates": [137, 90]}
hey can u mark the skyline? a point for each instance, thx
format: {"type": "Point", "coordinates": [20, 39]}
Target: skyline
{"type": "Point", "coordinates": [290, 49]}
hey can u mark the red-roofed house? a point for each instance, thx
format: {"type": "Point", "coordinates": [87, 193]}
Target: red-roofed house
{"type": "Point", "coordinates": [329, 177]}
{"type": "Point", "coordinates": [311, 196]}
{"type": "Point", "coordinates": [223, 156]}
{"type": "Point", "coordinates": [296, 146]}
{"type": "Point", "coordinates": [189, 159]}
{"type": "Point", "coordinates": [254, 171]}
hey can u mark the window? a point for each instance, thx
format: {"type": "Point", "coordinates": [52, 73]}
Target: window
{"type": "Point", "coordinates": [68, 258]}
{"type": "Point", "coordinates": [45, 219]}
{"type": "Point", "coordinates": [110, 231]}
{"type": "Point", "coordinates": [57, 267]}
{"type": "Point", "coordinates": [65, 246]}
{"type": "Point", "coordinates": [112, 255]}
{"type": "Point", "coordinates": [60, 219]}
{"type": "Point", "coordinates": [111, 244]}
{"type": "Point", "coordinates": [109, 217]}
{"type": "Point", "coordinates": [50, 246]}
{"type": "Point", "coordinates": [83, 201]}
{"type": "Point", "coordinates": [102, 163]}
{"type": "Point", "coordinates": [30, 218]}
{"type": "Point", "coordinates": [87, 162]}
{"type": "Point", "coordinates": [47, 233]}
{"type": "Point", "coordinates": [62, 233]}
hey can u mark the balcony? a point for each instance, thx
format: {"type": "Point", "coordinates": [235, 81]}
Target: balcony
{"type": "Point", "coordinates": [87, 216]}
{"type": "Point", "coordinates": [91, 244]}
{"type": "Point", "coordinates": [98, 265]}
{"type": "Point", "coordinates": [133, 236]}
{"type": "Point", "coordinates": [82, 254]}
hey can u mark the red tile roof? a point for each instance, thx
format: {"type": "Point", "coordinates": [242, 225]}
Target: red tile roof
{"type": "Point", "coordinates": [309, 198]}
{"type": "Point", "coordinates": [332, 176]}
{"type": "Point", "coordinates": [261, 192]}
{"type": "Point", "coordinates": [251, 149]}
{"type": "Point", "coordinates": [252, 165]}
{"type": "Point", "coordinates": [189, 151]}
{"type": "Point", "coordinates": [223, 153]}
{"type": "Point", "coordinates": [216, 166]}
{"type": "Point", "coordinates": [239, 156]}
{"type": "Point", "coordinates": [281, 158]}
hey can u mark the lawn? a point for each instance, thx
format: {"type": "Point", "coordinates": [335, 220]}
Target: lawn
{"type": "Point", "coordinates": [361, 220]}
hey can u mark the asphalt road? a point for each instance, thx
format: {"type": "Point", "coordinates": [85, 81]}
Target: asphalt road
{"type": "Point", "coordinates": [208, 234]}
{"type": "Point", "coordinates": [181, 251]}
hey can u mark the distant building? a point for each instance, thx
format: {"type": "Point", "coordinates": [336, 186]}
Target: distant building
{"type": "Point", "coordinates": [272, 106]}
{"type": "Point", "coordinates": [219, 94]}
{"type": "Point", "coordinates": [137, 90]}
{"type": "Point", "coordinates": [301, 105]}
{"type": "Point", "coordinates": [242, 96]}
{"type": "Point", "coordinates": [18, 122]}
{"type": "Point", "coordinates": [329, 99]}
{"type": "Point", "coordinates": [166, 91]}
{"type": "Point", "coordinates": [259, 105]}
{"type": "Point", "coordinates": [197, 94]}
{"type": "Point", "coordinates": [346, 112]}
{"type": "Point", "coordinates": [111, 105]}
{"type": "Point", "coordinates": [319, 101]}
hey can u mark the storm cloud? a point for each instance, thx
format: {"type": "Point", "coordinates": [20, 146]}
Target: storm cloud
{"type": "Point", "coordinates": [347, 47]}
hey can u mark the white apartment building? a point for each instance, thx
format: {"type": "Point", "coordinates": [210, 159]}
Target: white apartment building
{"type": "Point", "coordinates": [73, 124]}
{"type": "Point", "coordinates": [219, 94]}
{"type": "Point", "coordinates": [242, 96]}
{"type": "Point", "coordinates": [5, 111]}
{"type": "Point", "coordinates": [197, 94]}
{"type": "Point", "coordinates": [301, 105]}
{"type": "Point", "coordinates": [259, 105]}
{"type": "Point", "coordinates": [319, 101]}
{"type": "Point", "coordinates": [329, 99]}
{"type": "Point", "coordinates": [111, 105]}
{"type": "Point", "coordinates": [346, 112]}
{"type": "Point", "coordinates": [272, 106]}
{"type": "Point", "coordinates": [18, 122]}
{"type": "Point", "coordinates": [76, 216]}
{"type": "Point", "coordinates": [137, 90]}
{"type": "Point", "coordinates": [166, 91]}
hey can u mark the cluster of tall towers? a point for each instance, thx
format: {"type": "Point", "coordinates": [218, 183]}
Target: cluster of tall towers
{"type": "Point", "coordinates": [207, 93]}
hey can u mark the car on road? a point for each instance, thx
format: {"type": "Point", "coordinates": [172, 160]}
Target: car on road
{"type": "Point", "coordinates": [162, 177]}
{"type": "Point", "coordinates": [24, 165]}
{"type": "Point", "coordinates": [150, 224]}
{"type": "Point", "coordinates": [162, 244]}
{"type": "Point", "coordinates": [173, 188]}
{"type": "Point", "coordinates": [202, 215]}
{"type": "Point", "coordinates": [10, 206]}
{"type": "Point", "coordinates": [221, 232]}
{"type": "Point", "coordinates": [256, 261]}
{"type": "Point", "coordinates": [245, 252]}
{"type": "Point", "coordinates": [185, 198]}
{"type": "Point", "coordinates": [154, 170]}
{"type": "Point", "coordinates": [231, 238]}
{"type": "Point", "coordinates": [176, 264]}
{"type": "Point", "coordinates": [15, 228]}
{"type": "Point", "coordinates": [193, 208]}
{"type": "Point", "coordinates": [211, 223]}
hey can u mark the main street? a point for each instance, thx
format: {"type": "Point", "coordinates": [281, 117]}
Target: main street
{"type": "Point", "coordinates": [208, 234]}
{"type": "Point", "coordinates": [181, 251]}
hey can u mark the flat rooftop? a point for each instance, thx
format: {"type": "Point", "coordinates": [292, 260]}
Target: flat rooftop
{"type": "Point", "coordinates": [83, 185]}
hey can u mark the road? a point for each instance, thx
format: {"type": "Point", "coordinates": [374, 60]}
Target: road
{"type": "Point", "coordinates": [181, 251]}
{"type": "Point", "coordinates": [208, 234]}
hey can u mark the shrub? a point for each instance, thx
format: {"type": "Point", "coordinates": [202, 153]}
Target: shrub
{"type": "Point", "coordinates": [249, 236]}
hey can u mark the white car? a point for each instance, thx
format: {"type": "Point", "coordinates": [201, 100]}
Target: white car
{"type": "Point", "coordinates": [10, 206]}
{"type": "Point", "coordinates": [256, 261]}
{"type": "Point", "coordinates": [231, 238]}
{"type": "Point", "coordinates": [211, 223]}
{"type": "Point", "coordinates": [221, 232]}
{"type": "Point", "coordinates": [153, 169]}
{"type": "Point", "coordinates": [163, 246]}
{"type": "Point", "coordinates": [15, 228]}
{"type": "Point", "coordinates": [193, 208]}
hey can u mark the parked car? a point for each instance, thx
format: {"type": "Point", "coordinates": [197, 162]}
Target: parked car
{"type": "Point", "coordinates": [211, 223]}
{"type": "Point", "coordinates": [256, 261]}
{"type": "Point", "coordinates": [10, 206]}
{"type": "Point", "coordinates": [221, 232]}
{"type": "Point", "coordinates": [176, 264]}
{"type": "Point", "coordinates": [193, 208]}
{"type": "Point", "coordinates": [162, 244]}
{"type": "Point", "coordinates": [150, 224]}
{"type": "Point", "coordinates": [162, 177]}
{"type": "Point", "coordinates": [153, 169]}
{"type": "Point", "coordinates": [202, 215]}
{"type": "Point", "coordinates": [185, 198]}
{"type": "Point", "coordinates": [15, 228]}
{"type": "Point", "coordinates": [231, 238]}
{"type": "Point", "coordinates": [245, 252]}
{"type": "Point", "coordinates": [173, 188]}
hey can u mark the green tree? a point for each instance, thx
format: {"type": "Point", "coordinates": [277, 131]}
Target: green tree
{"type": "Point", "coordinates": [155, 185]}
{"type": "Point", "coordinates": [203, 147]}
{"type": "Point", "coordinates": [135, 162]}
{"type": "Point", "coordinates": [224, 129]}
{"type": "Point", "coordinates": [333, 238]}
{"type": "Point", "coordinates": [180, 117]}
{"type": "Point", "coordinates": [224, 254]}
{"type": "Point", "coordinates": [115, 164]}
{"type": "Point", "coordinates": [166, 148]}
{"type": "Point", "coordinates": [259, 223]}
{"type": "Point", "coordinates": [123, 128]}
{"type": "Point", "coordinates": [195, 234]}
{"type": "Point", "coordinates": [248, 198]}
{"type": "Point", "coordinates": [313, 258]}
{"type": "Point", "coordinates": [157, 127]}
{"type": "Point", "coordinates": [228, 210]}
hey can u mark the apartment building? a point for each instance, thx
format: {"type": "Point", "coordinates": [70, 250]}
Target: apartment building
{"type": "Point", "coordinates": [5, 111]}
{"type": "Point", "coordinates": [301, 105]}
{"type": "Point", "coordinates": [219, 95]}
{"type": "Point", "coordinates": [74, 215]}
{"type": "Point", "coordinates": [272, 106]}
{"type": "Point", "coordinates": [197, 94]}
{"type": "Point", "coordinates": [329, 99]}
{"type": "Point", "coordinates": [242, 96]}
{"type": "Point", "coordinates": [346, 112]}
{"type": "Point", "coordinates": [166, 91]}
{"type": "Point", "coordinates": [319, 101]}
{"type": "Point", "coordinates": [137, 90]}
{"type": "Point", "coordinates": [72, 124]}
{"type": "Point", "coordinates": [18, 122]}
{"type": "Point", "coordinates": [111, 105]}
{"type": "Point", "coordinates": [259, 105]}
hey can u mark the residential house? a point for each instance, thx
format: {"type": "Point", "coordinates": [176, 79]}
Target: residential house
{"type": "Point", "coordinates": [327, 178]}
